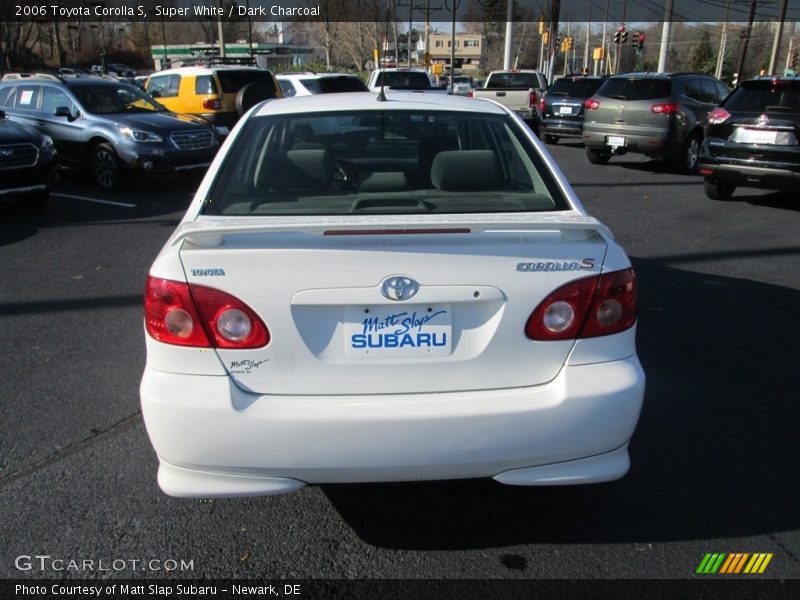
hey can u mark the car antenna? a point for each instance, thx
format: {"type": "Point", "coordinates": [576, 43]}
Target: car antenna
{"type": "Point", "coordinates": [382, 74]}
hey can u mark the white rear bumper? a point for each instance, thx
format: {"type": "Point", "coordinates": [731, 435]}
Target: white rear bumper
{"type": "Point", "coordinates": [213, 439]}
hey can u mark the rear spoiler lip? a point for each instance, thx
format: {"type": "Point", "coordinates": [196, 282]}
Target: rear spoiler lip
{"type": "Point", "coordinates": [212, 232]}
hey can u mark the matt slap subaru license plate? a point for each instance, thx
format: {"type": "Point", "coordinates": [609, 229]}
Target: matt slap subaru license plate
{"type": "Point", "coordinates": [422, 330]}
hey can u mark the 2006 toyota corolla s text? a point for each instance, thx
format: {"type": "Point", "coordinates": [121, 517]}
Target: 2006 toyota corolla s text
{"type": "Point", "coordinates": [393, 290]}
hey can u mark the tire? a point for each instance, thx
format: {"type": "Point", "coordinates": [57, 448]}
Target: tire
{"type": "Point", "coordinates": [718, 191]}
{"type": "Point", "coordinates": [550, 139]}
{"type": "Point", "coordinates": [252, 94]}
{"type": "Point", "coordinates": [686, 162]}
{"type": "Point", "coordinates": [598, 157]}
{"type": "Point", "coordinates": [106, 167]}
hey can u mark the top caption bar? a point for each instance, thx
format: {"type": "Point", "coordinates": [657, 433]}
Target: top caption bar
{"type": "Point", "coordinates": [434, 11]}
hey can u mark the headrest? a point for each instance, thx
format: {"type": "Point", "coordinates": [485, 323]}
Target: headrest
{"type": "Point", "coordinates": [456, 170]}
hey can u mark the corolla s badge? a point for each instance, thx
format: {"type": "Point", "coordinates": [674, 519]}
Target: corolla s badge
{"type": "Point", "coordinates": [399, 287]}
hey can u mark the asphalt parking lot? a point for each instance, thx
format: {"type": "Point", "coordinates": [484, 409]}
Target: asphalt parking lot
{"type": "Point", "coordinates": [714, 458]}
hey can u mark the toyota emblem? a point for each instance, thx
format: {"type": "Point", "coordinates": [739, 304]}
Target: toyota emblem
{"type": "Point", "coordinates": [399, 287]}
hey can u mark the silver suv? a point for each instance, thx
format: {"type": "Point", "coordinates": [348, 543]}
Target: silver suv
{"type": "Point", "coordinates": [656, 114]}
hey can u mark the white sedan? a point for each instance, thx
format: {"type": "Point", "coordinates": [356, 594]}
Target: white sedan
{"type": "Point", "coordinates": [394, 290]}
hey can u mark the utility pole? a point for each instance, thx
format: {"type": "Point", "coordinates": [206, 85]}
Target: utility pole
{"type": "Point", "coordinates": [555, 11]}
{"type": "Point", "coordinates": [220, 33]}
{"type": "Point", "coordinates": [665, 33]}
{"type": "Point", "coordinates": [748, 33]}
{"type": "Point", "coordinates": [586, 47]}
{"type": "Point", "coordinates": [722, 43]}
{"type": "Point", "coordinates": [603, 61]}
{"type": "Point", "coordinates": [776, 44]}
{"type": "Point", "coordinates": [509, 34]}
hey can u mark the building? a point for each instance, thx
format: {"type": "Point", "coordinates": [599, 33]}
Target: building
{"type": "Point", "coordinates": [468, 51]}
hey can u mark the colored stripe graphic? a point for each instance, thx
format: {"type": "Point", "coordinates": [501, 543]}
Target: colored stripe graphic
{"type": "Point", "coordinates": [734, 563]}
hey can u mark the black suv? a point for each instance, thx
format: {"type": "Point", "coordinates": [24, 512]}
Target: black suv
{"type": "Point", "coordinates": [28, 162]}
{"type": "Point", "coordinates": [111, 126]}
{"type": "Point", "coordinates": [656, 114]}
{"type": "Point", "coordinates": [561, 108]}
{"type": "Point", "coordinates": [753, 139]}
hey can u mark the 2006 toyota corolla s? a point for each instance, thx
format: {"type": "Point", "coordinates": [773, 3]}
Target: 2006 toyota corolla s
{"type": "Point", "coordinates": [391, 290]}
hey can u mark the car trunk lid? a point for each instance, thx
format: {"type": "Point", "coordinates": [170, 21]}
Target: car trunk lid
{"type": "Point", "coordinates": [327, 290]}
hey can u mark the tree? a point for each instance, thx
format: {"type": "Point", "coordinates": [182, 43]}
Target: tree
{"type": "Point", "coordinates": [703, 59]}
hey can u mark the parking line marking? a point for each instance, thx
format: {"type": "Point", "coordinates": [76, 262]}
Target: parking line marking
{"type": "Point", "coordinates": [95, 200]}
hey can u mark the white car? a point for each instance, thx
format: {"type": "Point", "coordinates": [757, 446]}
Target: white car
{"type": "Point", "coordinates": [400, 79]}
{"type": "Point", "coordinates": [372, 291]}
{"type": "Point", "coordinates": [308, 84]}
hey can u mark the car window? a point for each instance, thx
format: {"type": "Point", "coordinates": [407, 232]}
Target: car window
{"type": "Point", "coordinates": [722, 91]}
{"type": "Point", "coordinates": [287, 87]}
{"type": "Point", "coordinates": [53, 98]}
{"type": "Point", "coordinates": [693, 89]}
{"type": "Point", "coordinates": [27, 97]}
{"type": "Point", "coordinates": [574, 88]}
{"type": "Point", "coordinates": [205, 84]}
{"type": "Point", "coordinates": [5, 95]}
{"type": "Point", "coordinates": [764, 95]}
{"type": "Point", "coordinates": [166, 86]}
{"type": "Point", "coordinates": [710, 93]}
{"type": "Point", "coordinates": [376, 162]}
{"type": "Point", "coordinates": [110, 99]}
{"type": "Point", "coordinates": [334, 84]}
{"type": "Point", "coordinates": [234, 80]}
{"type": "Point", "coordinates": [513, 80]}
{"type": "Point", "coordinates": [403, 80]}
{"type": "Point", "coordinates": [636, 89]}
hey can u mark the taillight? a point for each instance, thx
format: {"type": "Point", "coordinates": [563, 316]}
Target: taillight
{"type": "Point", "coordinates": [198, 316]}
{"type": "Point", "coordinates": [718, 115]}
{"type": "Point", "coordinates": [470, 94]}
{"type": "Point", "coordinates": [212, 104]}
{"type": "Point", "coordinates": [541, 106]}
{"type": "Point", "coordinates": [591, 104]}
{"type": "Point", "coordinates": [584, 308]}
{"type": "Point", "coordinates": [532, 97]}
{"type": "Point", "coordinates": [668, 108]}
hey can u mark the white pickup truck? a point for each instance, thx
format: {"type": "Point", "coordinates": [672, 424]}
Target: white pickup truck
{"type": "Point", "coordinates": [518, 90]}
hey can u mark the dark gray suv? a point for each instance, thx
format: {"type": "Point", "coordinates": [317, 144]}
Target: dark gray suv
{"type": "Point", "coordinates": [657, 114]}
{"type": "Point", "coordinates": [112, 127]}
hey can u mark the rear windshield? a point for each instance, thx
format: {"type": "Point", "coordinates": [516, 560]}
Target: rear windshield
{"type": "Point", "coordinates": [233, 81]}
{"type": "Point", "coordinates": [382, 162]}
{"type": "Point", "coordinates": [513, 80]}
{"type": "Point", "coordinates": [765, 95]}
{"type": "Point", "coordinates": [575, 88]}
{"type": "Point", "coordinates": [333, 85]}
{"type": "Point", "coordinates": [636, 89]}
{"type": "Point", "coordinates": [404, 80]}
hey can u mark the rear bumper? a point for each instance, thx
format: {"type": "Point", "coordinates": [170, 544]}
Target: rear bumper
{"type": "Point", "coordinates": [561, 128]}
{"type": "Point", "coordinates": [746, 172]}
{"type": "Point", "coordinates": [654, 142]}
{"type": "Point", "coordinates": [213, 439]}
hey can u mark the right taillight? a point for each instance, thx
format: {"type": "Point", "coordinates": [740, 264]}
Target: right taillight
{"type": "Point", "coordinates": [212, 104]}
{"type": "Point", "coordinates": [718, 115]}
{"type": "Point", "coordinates": [584, 308]}
{"type": "Point", "coordinates": [542, 106]}
{"type": "Point", "coordinates": [193, 315]}
{"type": "Point", "coordinates": [591, 104]}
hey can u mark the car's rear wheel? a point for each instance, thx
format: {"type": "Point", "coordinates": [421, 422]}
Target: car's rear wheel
{"type": "Point", "coordinates": [718, 191]}
{"type": "Point", "coordinates": [686, 162]}
{"type": "Point", "coordinates": [550, 139]}
{"type": "Point", "coordinates": [598, 157]}
{"type": "Point", "coordinates": [106, 168]}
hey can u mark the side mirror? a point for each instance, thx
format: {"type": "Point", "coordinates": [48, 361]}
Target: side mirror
{"type": "Point", "coordinates": [63, 111]}
{"type": "Point", "coordinates": [155, 94]}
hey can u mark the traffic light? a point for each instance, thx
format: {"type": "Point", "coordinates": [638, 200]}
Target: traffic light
{"type": "Point", "coordinates": [569, 42]}
{"type": "Point", "coordinates": [617, 36]}
{"type": "Point", "coordinates": [621, 36]}
{"type": "Point", "coordinates": [624, 38]}
{"type": "Point", "coordinates": [546, 38]}
{"type": "Point", "coordinates": [635, 42]}
{"type": "Point", "coordinates": [641, 43]}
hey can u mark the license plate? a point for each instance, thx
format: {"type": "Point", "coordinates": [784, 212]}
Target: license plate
{"type": "Point", "coordinates": [615, 140]}
{"type": "Point", "coordinates": [398, 332]}
{"type": "Point", "coordinates": [565, 110]}
{"type": "Point", "coordinates": [756, 136]}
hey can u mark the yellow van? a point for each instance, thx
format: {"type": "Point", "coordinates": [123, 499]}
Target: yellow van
{"type": "Point", "coordinates": [219, 94]}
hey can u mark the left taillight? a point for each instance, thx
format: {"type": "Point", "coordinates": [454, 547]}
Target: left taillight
{"type": "Point", "coordinates": [668, 108]}
{"type": "Point", "coordinates": [532, 98]}
{"type": "Point", "coordinates": [183, 315]}
{"type": "Point", "coordinates": [212, 104]}
{"type": "Point", "coordinates": [718, 115]}
{"type": "Point", "coordinates": [589, 307]}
